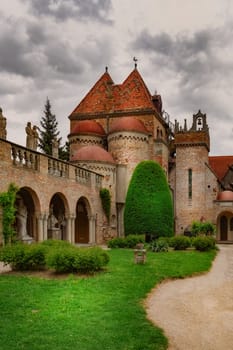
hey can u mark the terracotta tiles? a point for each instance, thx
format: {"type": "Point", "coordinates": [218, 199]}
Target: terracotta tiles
{"type": "Point", "coordinates": [220, 165]}
{"type": "Point", "coordinates": [106, 97]}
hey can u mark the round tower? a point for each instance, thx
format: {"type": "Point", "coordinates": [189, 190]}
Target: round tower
{"type": "Point", "coordinates": [128, 144]}
{"type": "Point", "coordinates": [85, 133]}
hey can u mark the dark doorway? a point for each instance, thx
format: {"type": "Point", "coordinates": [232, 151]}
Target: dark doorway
{"type": "Point", "coordinates": [81, 223]}
{"type": "Point", "coordinates": [223, 228]}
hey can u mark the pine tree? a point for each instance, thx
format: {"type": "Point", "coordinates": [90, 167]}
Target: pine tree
{"type": "Point", "coordinates": [64, 151]}
{"type": "Point", "coordinates": [48, 130]}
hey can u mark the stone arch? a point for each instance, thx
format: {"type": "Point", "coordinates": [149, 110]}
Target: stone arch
{"type": "Point", "coordinates": [30, 200]}
{"type": "Point", "coordinates": [83, 221]}
{"type": "Point", "coordinates": [225, 226]}
{"type": "Point", "coordinates": [57, 218]}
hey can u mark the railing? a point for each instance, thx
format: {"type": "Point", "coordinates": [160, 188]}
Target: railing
{"type": "Point", "coordinates": [24, 157]}
{"type": "Point", "coordinates": [29, 159]}
{"type": "Point", "coordinates": [82, 176]}
{"type": "Point", "coordinates": [58, 168]}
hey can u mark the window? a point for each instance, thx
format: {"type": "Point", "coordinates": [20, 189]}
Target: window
{"type": "Point", "coordinates": [190, 173]}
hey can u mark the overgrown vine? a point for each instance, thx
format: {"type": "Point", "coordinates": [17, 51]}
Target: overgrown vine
{"type": "Point", "coordinates": [106, 201]}
{"type": "Point", "coordinates": [7, 202]}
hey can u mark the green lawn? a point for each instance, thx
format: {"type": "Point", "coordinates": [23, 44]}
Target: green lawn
{"type": "Point", "coordinates": [103, 312]}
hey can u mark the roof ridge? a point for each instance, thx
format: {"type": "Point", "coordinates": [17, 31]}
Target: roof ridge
{"type": "Point", "coordinates": [104, 77]}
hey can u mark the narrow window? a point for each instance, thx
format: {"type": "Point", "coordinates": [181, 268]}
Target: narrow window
{"type": "Point", "coordinates": [190, 173]}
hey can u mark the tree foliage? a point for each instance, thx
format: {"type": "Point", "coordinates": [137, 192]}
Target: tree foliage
{"type": "Point", "coordinates": [148, 207]}
{"type": "Point", "coordinates": [7, 202]}
{"type": "Point", "coordinates": [48, 130]}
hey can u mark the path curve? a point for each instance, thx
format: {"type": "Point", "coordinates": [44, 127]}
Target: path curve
{"type": "Point", "coordinates": [197, 313]}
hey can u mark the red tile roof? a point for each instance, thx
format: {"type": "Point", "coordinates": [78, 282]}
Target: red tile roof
{"type": "Point", "coordinates": [220, 164]}
{"type": "Point", "coordinates": [93, 153]}
{"type": "Point", "coordinates": [106, 97]}
{"type": "Point", "coordinates": [88, 127]}
{"type": "Point", "coordinates": [225, 196]}
{"type": "Point", "coordinates": [128, 124]}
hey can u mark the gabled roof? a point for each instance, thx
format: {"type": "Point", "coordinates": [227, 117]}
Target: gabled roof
{"type": "Point", "coordinates": [220, 165]}
{"type": "Point", "coordinates": [106, 97]}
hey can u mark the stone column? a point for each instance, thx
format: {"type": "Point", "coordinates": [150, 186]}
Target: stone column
{"type": "Point", "coordinates": [68, 229]}
{"type": "Point", "coordinates": [72, 228]}
{"type": "Point", "coordinates": [45, 227]}
{"type": "Point", "coordinates": [40, 228]}
{"type": "Point", "coordinates": [92, 227]}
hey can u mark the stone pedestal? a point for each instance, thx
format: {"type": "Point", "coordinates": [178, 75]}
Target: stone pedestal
{"type": "Point", "coordinates": [54, 233]}
{"type": "Point", "coordinates": [27, 240]}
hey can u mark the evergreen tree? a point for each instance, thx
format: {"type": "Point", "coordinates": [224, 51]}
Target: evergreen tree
{"type": "Point", "coordinates": [64, 151]}
{"type": "Point", "coordinates": [48, 130]}
{"type": "Point", "coordinates": [148, 205]}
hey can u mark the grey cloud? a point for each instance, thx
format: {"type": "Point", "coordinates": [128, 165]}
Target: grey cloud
{"type": "Point", "coordinates": [192, 57]}
{"type": "Point", "coordinates": [77, 9]}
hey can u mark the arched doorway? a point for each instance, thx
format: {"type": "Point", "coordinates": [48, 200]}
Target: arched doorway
{"type": "Point", "coordinates": [81, 222]}
{"type": "Point", "coordinates": [57, 218]}
{"type": "Point", "coordinates": [223, 228]}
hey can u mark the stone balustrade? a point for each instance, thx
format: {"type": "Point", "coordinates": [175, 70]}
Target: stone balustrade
{"type": "Point", "coordinates": [24, 158]}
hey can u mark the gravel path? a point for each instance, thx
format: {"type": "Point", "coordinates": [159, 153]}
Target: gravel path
{"type": "Point", "coordinates": [197, 313]}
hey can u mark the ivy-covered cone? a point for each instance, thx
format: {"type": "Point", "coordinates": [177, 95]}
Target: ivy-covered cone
{"type": "Point", "coordinates": [148, 207]}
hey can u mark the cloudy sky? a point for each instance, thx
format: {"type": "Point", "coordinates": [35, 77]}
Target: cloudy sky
{"type": "Point", "coordinates": [59, 48]}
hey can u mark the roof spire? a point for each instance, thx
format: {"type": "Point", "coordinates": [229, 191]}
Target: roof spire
{"type": "Point", "coordinates": [135, 62]}
{"type": "Point", "coordinates": [106, 69]}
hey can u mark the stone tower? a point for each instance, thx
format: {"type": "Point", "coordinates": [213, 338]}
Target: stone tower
{"type": "Point", "coordinates": [191, 170]}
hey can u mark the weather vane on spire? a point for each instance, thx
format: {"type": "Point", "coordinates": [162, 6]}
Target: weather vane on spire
{"type": "Point", "coordinates": [135, 61]}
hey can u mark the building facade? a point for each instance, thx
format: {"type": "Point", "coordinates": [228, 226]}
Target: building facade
{"type": "Point", "coordinates": [112, 129]}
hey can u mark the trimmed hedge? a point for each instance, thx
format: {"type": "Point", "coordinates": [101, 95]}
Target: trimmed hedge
{"type": "Point", "coordinates": [148, 207]}
{"type": "Point", "coordinates": [180, 242]}
{"type": "Point", "coordinates": [24, 257]}
{"type": "Point", "coordinates": [204, 243]}
{"type": "Point", "coordinates": [83, 260]}
{"type": "Point", "coordinates": [61, 256]}
{"type": "Point", "coordinates": [126, 242]}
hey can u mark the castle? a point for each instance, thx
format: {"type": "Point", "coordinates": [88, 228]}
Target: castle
{"type": "Point", "coordinates": [112, 129]}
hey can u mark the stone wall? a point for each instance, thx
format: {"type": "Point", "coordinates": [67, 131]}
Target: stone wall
{"type": "Point", "coordinates": [43, 177]}
{"type": "Point", "coordinates": [190, 207]}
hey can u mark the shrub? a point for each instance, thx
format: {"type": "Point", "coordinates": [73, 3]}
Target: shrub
{"type": "Point", "coordinates": [117, 242]}
{"type": "Point", "coordinates": [180, 242]}
{"type": "Point", "coordinates": [61, 259]}
{"type": "Point", "coordinates": [148, 206]}
{"type": "Point", "coordinates": [126, 242]}
{"type": "Point", "coordinates": [204, 243]}
{"type": "Point", "coordinates": [84, 260]}
{"type": "Point", "coordinates": [199, 227]}
{"type": "Point", "coordinates": [23, 257]}
{"type": "Point", "coordinates": [159, 245]}
{"type": "Point", "coordinates": [56, 243]}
